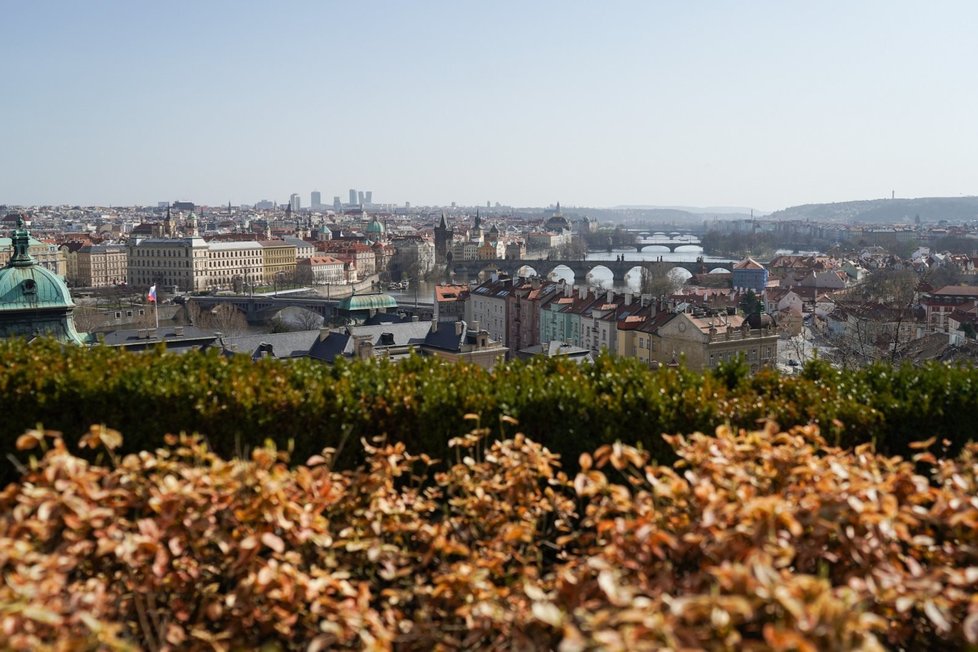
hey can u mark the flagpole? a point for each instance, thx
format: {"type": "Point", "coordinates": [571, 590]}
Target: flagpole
{"type": "Point", "coordinates": [156, 310]}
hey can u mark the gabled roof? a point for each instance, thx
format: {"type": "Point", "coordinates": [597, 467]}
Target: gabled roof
{"type": "Point", "coordinates": [748, 263]}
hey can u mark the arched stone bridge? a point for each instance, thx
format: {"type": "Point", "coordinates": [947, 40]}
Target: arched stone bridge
{"type": "Point", "coordinates": [260, 309]}
{"type": "Point", "coordinates": [671, 245]}
{"type": "Point", "coordinates": [470, 269]}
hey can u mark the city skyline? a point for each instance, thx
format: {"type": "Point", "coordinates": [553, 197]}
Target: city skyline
{"type": "Point", "coordinates": [762, 106]}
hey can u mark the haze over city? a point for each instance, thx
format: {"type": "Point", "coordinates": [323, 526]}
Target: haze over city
{"type": "Point", "coordinates": [761, 104]}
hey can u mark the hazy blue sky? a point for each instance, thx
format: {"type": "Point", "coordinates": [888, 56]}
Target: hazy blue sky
{"type": "Point", "coordinates": [761, 104]}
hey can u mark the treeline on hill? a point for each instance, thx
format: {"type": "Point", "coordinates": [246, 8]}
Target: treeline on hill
{"type": "Point", "coordinates": [303, 405]}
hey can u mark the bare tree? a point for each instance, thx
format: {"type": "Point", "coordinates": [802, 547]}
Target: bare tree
{"type": "Point", "coordinates": [87, 318]}
{"type": "Point", "coordinates": [576, 249]}
{"type": "Point", "coordinates": [307, 320]}
{"type": "Point", "coordinates": [888, 287]}
{"type": "Point", "coordinates": [881, 317]}
{"type": "Point", "coordinates": [194, 313]}
{"type": "Point", "coordinates": [227, 319]}
{"type": "Point", "coordinates": [657, 281]}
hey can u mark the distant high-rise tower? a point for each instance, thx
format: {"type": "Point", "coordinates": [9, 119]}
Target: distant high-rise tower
{"type": "Point", "coordinates": [353, 197]}
{"type": "Point", "coordinates": [316, 199]}
{"type": "Point", "coordinates": [295, 202]}
{"type": "Point", "coordinates": [369, 196]}
{"type": "Point", "coordinates": [360, 198]}
{"type": "Point", "coordinates": [337, 205]}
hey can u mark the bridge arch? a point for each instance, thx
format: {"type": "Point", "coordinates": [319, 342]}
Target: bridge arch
{"type": "Point", "coordinates": [633, 277]}
{"type": "Point", "coordinates": [660, 246]}
{"type": "Point", "coordinates": [297, 318]}
{"type": "Point", "coordinates": [680, 275]}
{"type": "Point", "coordinates": [562, 273]}
{"type": "Point", "coordinates": [526, 271]}
{"type": "Point", "coordinates": [600, 276]}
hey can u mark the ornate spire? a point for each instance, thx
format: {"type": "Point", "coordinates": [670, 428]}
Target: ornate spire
{"type": "Point", "coordinates": [443, 224]}
{"type": "Point", "coordinates": [21, 240]}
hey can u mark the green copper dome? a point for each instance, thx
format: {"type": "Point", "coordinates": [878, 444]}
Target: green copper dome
{"type": "Point", "coordinates": [375, 227]}
{"type": "Point", "coordinates": [33, 300]}
{"type": "Point", "coordinates": [367, 302]}
{"type": "Point", "coordinates": [25, 288]}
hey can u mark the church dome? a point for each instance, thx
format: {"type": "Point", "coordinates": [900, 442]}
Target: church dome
{"type": "Point", "coordinates": [26, 285]}
{"type": "Point", "coordinates": [33, 300]}
{"type": "Point", "coordinates": [375, 227]}
{"type": "Point", "coordinates": [32, 287]}
{"type": "Point", "coordinates": [558, 223]}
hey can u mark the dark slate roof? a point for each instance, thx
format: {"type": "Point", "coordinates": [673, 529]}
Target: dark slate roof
{"type": "Point", "coordinates": [295, 344]}
{"type": "Point", "coordinates": [405, 333]}
{"type": "Point", "coordinates": [190, 338]}
{"type": "Point", "coordinates": [445, 338]}
{"type": "Point", "coordinates": [340, 343]}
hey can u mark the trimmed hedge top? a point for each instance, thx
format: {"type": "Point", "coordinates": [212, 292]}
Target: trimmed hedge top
{"type": "Point", "coordinates": [238, 404]}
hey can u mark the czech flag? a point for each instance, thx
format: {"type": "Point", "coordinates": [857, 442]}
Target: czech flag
{"type": "Point", "coordinates": [151, 297]}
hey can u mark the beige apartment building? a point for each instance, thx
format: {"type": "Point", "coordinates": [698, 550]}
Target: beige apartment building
{"type": "Point", "coordinates": [180, 263]}
{"type": "Point", "coordinates": [47, 255]}
{"type": "Point", "coordinates": [231, 263]}
{"type": "Point", "coordinates": [321, 270]}
{"type": "Point", "coordinates": [705, 342]}
{"type": "Point", "coordinates": [99, 266]}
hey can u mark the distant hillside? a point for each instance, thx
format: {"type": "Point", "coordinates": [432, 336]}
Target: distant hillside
{"type": "Point", "coordinates": [929, 209]}
{"type": "Point", "coordinates": [699, 210]}
{"type": "Point", "coordinates": [674, 216]}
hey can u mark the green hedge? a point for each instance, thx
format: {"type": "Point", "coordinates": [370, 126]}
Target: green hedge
{"type": "Point", "coordinates": [238, 404]}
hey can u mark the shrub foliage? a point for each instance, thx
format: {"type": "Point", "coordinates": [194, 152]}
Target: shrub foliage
{"type": "Point", "coordinates": [304, 405]}
{"type": "Point", "coordinates": [760, 540]}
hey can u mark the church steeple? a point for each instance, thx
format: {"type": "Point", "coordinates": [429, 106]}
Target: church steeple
{"type": "Point", "coordinates": [168, 224]}
{"type": "Point", "coordinates": [192, 227]}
